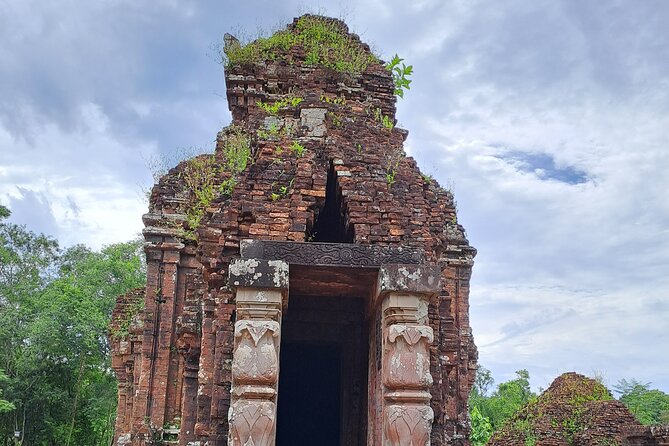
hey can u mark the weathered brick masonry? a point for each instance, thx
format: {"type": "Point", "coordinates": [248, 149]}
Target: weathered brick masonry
{"type": "Point", "coordinates": [577, 411]}
{"type": "Point", "coordinates": [353, 184]}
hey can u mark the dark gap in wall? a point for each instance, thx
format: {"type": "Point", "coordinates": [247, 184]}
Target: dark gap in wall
{"type": "Point", "coordinates": [330, 225]}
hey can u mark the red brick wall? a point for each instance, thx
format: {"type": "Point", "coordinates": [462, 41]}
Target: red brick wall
{"type": "Point", "coordinates": [196, 315]}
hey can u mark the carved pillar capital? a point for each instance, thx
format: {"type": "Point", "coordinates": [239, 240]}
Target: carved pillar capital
{"type": "Point", "coordinates": [261, 290]}
{"type": "Point", "coordinates": [404, 291]}
{"type": "Point", "coordinates": [259, 274]}
{"type": "Point", "coordinates": [419, 280]}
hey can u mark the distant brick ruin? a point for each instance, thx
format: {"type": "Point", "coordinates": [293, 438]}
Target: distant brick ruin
{"type": "Point", "coordinates": [577, 411]}
{"type": "Point", "coordinates": [306, 282]}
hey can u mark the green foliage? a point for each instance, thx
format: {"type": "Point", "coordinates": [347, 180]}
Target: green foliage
{"type": "Point", "coordinates": [572, 425]}
{"type": "Point", "coordinates": [264, 48]}
{"type": "Point", "coordinates": [649, 406]}
{"type": "Point", "coordinates": [297, 149]}
{"type": "Point", "coordinates": [427, 179]}
{"type": "Point", "coordinates": [392, 164]}
{"type": "Point", "coordinates": [384, 120]}
{"type": "Point", "coordinates": [271, 132]}
{"type": "Point", "coordinates": [236, 151]}
{"type": "Point", "coordinates": [227, 187]}
{"type": "Point", "coordinates": [337, 119]}
{"type": "Point", "coordinates": [273, 109]}
{"type": "Point", "coordinates": [54, 310]}
{"type": "Point", "coordinates": [202, 173]}
{"type": "Point", "coordinates": [201, 176]}
{"type": "Point", "coordinates": [526, 430]}
{"type": "Point", "coordinates": [511, 396]}
{"type": "Point", "coordinates": [280, 191]}
{"type": "Point", "coordinates": [570, 393]}
{"type": "Point", "coordinates": [512, 409]}
{"type": "Point", "coordinates": [400, 74]}
{"type": "Point", "coordinates": [337, 100]}
{"type": "Point", "coordinates": [482, 382]}
{"type": "Point", "coordinates": [390, 177]}
{"type": "Point", "coordinates": [5, 406]}
{"type": "Point", "coordinates": [508, 398]}
{"type": "Point", "coordinates": [274, 131]}
{"type": "Point", "coordinates": [324, 42]}
{"type": "Point", "coordinates": [481, 428]}
{"type": "Point", "coordinates": [387, 122]}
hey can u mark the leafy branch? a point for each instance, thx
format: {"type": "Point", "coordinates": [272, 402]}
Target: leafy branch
{"type": "Point", "coordinates": [400, 73]}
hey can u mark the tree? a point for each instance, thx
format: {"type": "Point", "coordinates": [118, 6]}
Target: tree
{"type": "Point", "coordinates": [5, 406]}
{"type": "Point", "coordinates": [483, 382]}
{"type": "Point", "coordinates": [489, 412]}
{"type": "Point", "coordinates": [649, 406]}
{"type": "Point", "coordinates": [481, 428]}
{"type": "Point", "coordinates": [55, 306]}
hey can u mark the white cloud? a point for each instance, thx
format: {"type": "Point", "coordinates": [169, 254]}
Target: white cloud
{"type": "Point", "coordinates": [568, 276]}
{"type": "Point", "coordinates": [550, 330]}
{"type": "Point", "coordinates": [74, 185]}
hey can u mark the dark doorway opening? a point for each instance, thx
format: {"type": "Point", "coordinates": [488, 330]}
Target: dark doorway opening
{"type": "Point", "coordinates": [310, 405]}
{"type": "Point", "coordinates": [323, 372]}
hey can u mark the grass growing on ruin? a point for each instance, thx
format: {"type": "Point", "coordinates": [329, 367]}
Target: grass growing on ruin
{"type": "Point", "coordinates": [236, 151]}
{"type": "Point", "coordinates": [199, 176]}
{"type": "Point", "coordinates": [297, 149]}
{"type": "Point", "coordinates": [273, 109]}
{"type": "Point", "coordinates": [324, 41]}
{"type": "Point", "coordinates": [280, 191]}
{"type": "Point", "coordinates": [202, 176]}
{"type": "Point", "coordinates": [385, 121]}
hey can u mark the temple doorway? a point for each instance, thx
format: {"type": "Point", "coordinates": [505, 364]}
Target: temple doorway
{"type": "Point", "coordinates": [323, 372]}
{"type": "Point", "coordinates": [310, 403]}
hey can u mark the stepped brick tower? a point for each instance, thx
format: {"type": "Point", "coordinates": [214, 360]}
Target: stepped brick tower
{"type": "Point", "coordinates": [306, 284]}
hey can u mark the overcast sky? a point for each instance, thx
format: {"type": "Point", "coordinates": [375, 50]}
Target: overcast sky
{"type": "Point", "coordinates": [549, 119]}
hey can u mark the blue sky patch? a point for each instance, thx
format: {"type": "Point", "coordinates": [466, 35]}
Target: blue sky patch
{"type": "Point", "coordinates": [544, 166]}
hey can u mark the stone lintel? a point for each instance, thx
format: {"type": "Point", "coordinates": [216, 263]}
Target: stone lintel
{"type": "Point", "coordinates": [258, 274]}
{"type": "Point", "coordinates": [330, 254]}
{"type": "Point", "coordinates": [423, 280]}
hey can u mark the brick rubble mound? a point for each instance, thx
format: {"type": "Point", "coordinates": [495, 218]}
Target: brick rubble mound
{"type": "Point", "coordinates": [577, 411]}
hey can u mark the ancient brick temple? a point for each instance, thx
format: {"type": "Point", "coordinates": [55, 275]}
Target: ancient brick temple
{"type": "Point", "coordinates": [306, 283]}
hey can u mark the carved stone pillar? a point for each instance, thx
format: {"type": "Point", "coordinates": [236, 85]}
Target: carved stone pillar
{"type": "Point", "coordinates": [405, 291]}
{"type": "Point", "coordinates": [261, 290]}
